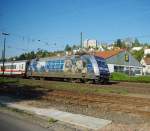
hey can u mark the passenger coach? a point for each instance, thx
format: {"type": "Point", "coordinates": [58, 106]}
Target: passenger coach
{"type": "Point", "coordinates": [14, 68]}
{"type": "Point", "coordinates": [76, 67]}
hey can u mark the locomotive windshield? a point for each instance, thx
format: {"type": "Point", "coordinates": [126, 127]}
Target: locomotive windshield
{"type": "Point", "coordinates": [102, 64]}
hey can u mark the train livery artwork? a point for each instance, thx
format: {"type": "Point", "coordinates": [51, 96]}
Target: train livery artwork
{"type": "Point", "coordinates": [82, 67]}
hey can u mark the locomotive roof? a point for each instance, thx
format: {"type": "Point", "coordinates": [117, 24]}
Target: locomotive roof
{"type": "Point", "coordinates": [47, 58]}
{"type": "Point", "coordinates": [54, 57]}
{"type": "Point", "coordinates": [57, 57]}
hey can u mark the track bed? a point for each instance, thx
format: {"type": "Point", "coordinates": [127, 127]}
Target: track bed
{"type": "Point", "coordinates": [124, 109]}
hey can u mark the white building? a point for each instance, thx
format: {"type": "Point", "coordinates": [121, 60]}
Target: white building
{"type": "Point", "coordinates": [110, 47]}
{"type": "Point", "coordinates": [146, 52]}
{"type": "Point", "coordinates": [90, 43]}
{"type": "Point", "coordinates": [146, 65]}
{"type": "Point", "coordinates": [136, 48]}
{"type": "Point", "coordinates": [100, 47]}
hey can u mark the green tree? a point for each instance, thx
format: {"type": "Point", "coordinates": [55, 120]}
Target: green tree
{"type": "Point", "coordinates": [32, 55]}
{"type": "Point", "coordinates": [138, 54]}
{"type": "Point", "coordinates": [120, 44]}
{"type": "Point", "coordinates": [67, 48]}
{"type": "Point", "coordinates": [136, 43]}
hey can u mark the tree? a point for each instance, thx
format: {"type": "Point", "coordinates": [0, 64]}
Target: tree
{"type": "Point", "coordinates": [120, 44]}
{"type": "Point", "coordinates": [67, 48]}
{"type": "Point", "coordinates": [138, 54]}
{"type": "Point", "coordinates": [136, 43]}
{"type": "Point", "coordinates": [75, 47]}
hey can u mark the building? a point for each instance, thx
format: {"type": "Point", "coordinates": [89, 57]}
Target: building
{"type": "Point", "coordinates": [137, 48]}
{"type": "Point", "coordinates": [110, 47]}
{"type": "Point", "coordinates": [146, 62]}
{"type": "Point", "coordinates": [100, 47]}
{"type": "Point", "coordinates": [146, 52]}
{"type": "Point", "coordinates": [121, 61]}
{"type": "Point", "coordinates": [90, 43]}
{"type": "Point", "coordinates": [146, 65]}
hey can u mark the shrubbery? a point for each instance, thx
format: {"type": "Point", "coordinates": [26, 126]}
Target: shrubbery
{"type": "Point", "coordinates": [116, 76]}
{"type": "Point", "coordinates": [7, 80]}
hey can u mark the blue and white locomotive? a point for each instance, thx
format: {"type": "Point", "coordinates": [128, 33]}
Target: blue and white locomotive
{"type": "Point", "coordinates": [75, 67]}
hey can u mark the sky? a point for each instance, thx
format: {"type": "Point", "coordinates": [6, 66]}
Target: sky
{"type": "Point", "coordinates": [51, 24]}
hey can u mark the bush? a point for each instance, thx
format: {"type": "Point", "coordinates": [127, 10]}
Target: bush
{"type": "Point", "coordinates": [119, 76]}
{"type": "Point", "coordinates": [7, 80]}
{"type": "Point", "coordinates": [116, 76]}
{"type": "Point", "coordinates": [144, 79]}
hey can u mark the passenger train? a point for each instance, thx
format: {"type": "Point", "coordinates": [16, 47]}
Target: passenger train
{"type": "Point", "coordinates": [75, 67]}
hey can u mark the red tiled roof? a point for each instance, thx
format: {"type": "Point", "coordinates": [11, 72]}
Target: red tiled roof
{"type": "Point", "coordinates": [147, 60]}
{"type": "Point", "coordinates": [107, 54]}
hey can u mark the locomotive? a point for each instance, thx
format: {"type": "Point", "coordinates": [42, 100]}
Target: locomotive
{"type": "Point", "coordinates": [75, 67]}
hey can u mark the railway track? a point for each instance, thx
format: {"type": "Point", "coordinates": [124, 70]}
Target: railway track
{"type": "Point", "coordinates": [88, 103]}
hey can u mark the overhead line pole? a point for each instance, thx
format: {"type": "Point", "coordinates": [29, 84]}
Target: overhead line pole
{"type": "Point", "coordinates": [81, 40]}
{"type": "Point", "coordinates": [3, 52]}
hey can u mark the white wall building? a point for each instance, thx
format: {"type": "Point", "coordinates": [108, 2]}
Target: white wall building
{"type": "Point", "coordinates": [136, 48]}
{"type": "Point", "coordinates": [146, 65]}
{"type": "Point", "coordinates": [90, 43]}
{"type": "Point", "coordinates": [110, 47]}
{"type": "Point", "coordinates": [100, 47]}
{"type": "Point", "coordinates": [146, 52]}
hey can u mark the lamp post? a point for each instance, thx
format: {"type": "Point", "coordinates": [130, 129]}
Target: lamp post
{"type": "Point", "coordinates": [3, 52]}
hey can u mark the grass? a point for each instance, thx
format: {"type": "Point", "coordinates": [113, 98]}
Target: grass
{"type": "Point", "coordinates": [116, 76]}
{"type": "Point", "coordinates": [8, 80]}
{"type": "Point", "coordinates": [51, 120]}
{"type": "Point", "coordinates": [63, 86]}
{"type": "Point", "coordinates": [76, 87]}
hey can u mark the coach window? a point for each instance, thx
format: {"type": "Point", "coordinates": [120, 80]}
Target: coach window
{"type": "Point", "coordinates": [13, 66]}
{"type": "Point", "coordinates": [22, 66]}
{"type": "Point", "coordinates": [2, 67]}
{"type": "Point", "coordinates": [7, 67]}
{"type": "Point", "coordinates": [19, 67]}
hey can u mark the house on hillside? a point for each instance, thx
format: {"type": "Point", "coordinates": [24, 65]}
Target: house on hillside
{"type": "Point", "coordinates": [100, 47]}
{"type": "Point", "coordinates": [146, 65]}
{"type": "Point", "coordinates": [146, 52]}
{"type": "Point", "coordinates": [90, 43]}
{"type": "Point", "coordinates": [137, 48]}
{"type": "Point", "coordinates": [121, 61]}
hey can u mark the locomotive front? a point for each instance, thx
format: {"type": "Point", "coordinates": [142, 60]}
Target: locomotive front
{"type": "Point", "coordinates": [101, 69]}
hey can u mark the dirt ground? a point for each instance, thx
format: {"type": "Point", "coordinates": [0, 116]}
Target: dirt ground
{"type": "Point", "coordinates": [127, 112]}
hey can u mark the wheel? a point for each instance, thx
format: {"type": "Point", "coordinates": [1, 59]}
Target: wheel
{"type": "Point", "coordinates": [89, 82]}
{"type": "Point", "coordinates": [104, 81]}
{"type": "Point", "coordinates": [96, 81]}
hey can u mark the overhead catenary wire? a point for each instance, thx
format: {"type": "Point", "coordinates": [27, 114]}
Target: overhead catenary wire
{"type": "Point", "coordinates": [34, 40]}
{"type": "Point", "coordinates": [29, 39]}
